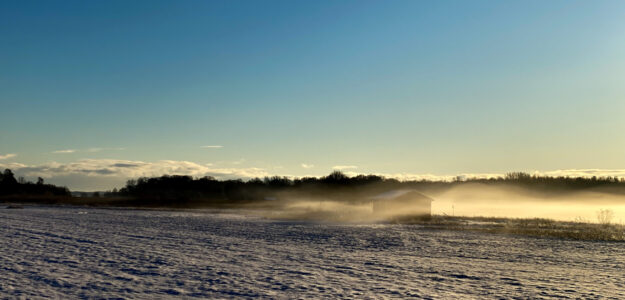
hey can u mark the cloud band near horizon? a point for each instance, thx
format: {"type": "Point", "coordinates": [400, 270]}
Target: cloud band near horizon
{"type": "Point", "coordinates": [8, 155]}
{"type": "Point", "coordinates": [126, 169]}
{"type": "Point", "coordinates": [212, 146]}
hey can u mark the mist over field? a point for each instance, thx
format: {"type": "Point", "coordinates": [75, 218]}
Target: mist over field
{"type": "Point", "coordinates": [335, 236]}
{"type": "Point", "coordinates": [516, 202]}
{"type": "Point", "coordinates": [316, 149]}
{"type": "Point", "coordinates": [470, 200]}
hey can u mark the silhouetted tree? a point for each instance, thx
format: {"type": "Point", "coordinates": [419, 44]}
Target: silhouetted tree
{"type": "Point", "coordinates": [10, 186]}
{"type": "Point", "coordinates": [336, 177]}
{"type": "Point", "coordinates": [8, 178]}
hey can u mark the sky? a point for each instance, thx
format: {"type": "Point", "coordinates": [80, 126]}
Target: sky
{"type": "Point", "coordinates": [93, 93]}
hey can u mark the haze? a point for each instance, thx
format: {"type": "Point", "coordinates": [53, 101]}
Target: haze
{"type": "Point", "coordinates": [475, 200]}
{"type": "Point", "coordinates": [317, 149]}
{"type": "Point", "coordinates": [95, 93]}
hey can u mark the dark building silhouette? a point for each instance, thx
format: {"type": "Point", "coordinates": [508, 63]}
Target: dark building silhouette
{"type": "Point", "coordinates": [405, 202]}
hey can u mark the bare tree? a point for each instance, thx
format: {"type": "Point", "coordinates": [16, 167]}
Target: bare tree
{"type": "Point", "coordinates": [604, 216]}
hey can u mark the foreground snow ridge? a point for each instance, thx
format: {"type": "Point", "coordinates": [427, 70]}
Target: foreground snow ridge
{"type": "Point", "coordinates": [78, 253]}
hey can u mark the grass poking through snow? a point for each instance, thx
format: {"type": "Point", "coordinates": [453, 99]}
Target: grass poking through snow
{"type": "Point", "coordinates": [537, 227]}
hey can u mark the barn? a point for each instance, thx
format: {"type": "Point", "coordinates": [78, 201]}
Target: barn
{"type": "Point", "coordinates": [401, 203]}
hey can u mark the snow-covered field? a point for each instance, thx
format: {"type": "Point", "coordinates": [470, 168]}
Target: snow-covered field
{"type": "Point", "coordinates": [103, 253]}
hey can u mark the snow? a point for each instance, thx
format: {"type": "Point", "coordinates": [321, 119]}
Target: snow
{"type": "Point", "coordinates": [141, 254]}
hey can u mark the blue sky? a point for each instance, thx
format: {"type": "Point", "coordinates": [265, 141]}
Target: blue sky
{"type": "Point", "coordinates": [301, 87]}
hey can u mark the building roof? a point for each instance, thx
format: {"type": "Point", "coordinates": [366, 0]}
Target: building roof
{"type": "Point", "coordinates": [393, 194]}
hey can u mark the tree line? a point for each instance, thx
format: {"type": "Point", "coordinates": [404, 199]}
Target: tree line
{"type": "Point", "coordinates": [172, 189]}
{"type": "Point", "coordinates": [186, 188]}
{"type": "Point", "coordinates": [10, 186]}
{"type": "Point", "coordinates": [336, 185]}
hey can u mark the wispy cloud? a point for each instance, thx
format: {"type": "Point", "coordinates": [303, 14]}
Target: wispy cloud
{"type": "Point", "coordinates": [340, 167]}
{"type": "Point", "coordinates": [67, 151]}
{"type": "Point", "coordinates": [8, 155]}
{"type": "Point", "coordinates": [583, 172]}
{"type": "Point", "coordinates": [238, 162]}
{"type": "Point", "coordinates": [212, 146]}
{"type": "Point", "coordinates": [89, 150]}
{"type": "Point", "coordinates": [98, 149]}
{"type": "Point", "coordinates": [132, 169]}
{"type": "Point", "coordinates": [307, 166]}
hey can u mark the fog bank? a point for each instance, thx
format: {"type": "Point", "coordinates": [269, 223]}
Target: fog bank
{"type": "Point", "coordinates": [515, 202]}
